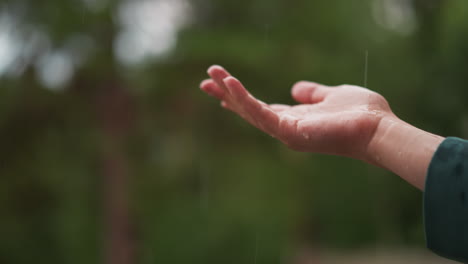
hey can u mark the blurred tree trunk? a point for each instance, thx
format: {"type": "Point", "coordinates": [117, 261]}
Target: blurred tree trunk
{"type": "Point", "coordinates": [428, 14]}
{"type": "Point", "coordinates": [115, 108]}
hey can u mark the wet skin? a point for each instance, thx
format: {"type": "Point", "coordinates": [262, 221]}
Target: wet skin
{"type": "Point", "coordinates": [337, 120]}
{"type": "Point", "coordinates": [343, 120]}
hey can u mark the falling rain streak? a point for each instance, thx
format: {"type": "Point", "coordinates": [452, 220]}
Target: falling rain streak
{"type": "Point", "coordinates": [366, 65]}
{"type": "Point", "coordinates": [256, 248]}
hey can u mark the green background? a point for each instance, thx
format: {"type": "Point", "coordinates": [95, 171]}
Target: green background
{"type": "Point", "coordinates": [133, 157]}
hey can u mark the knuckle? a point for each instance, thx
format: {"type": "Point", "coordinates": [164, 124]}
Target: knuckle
{"type": "Point", "coordinates": [348, 86]}
{"type": "Point", "coordinates": [300, 83]}
{"type": "Point", "coordinates": [288, 136]}
{"type": "Point", "coordinates": [304, 84]}
{"type": "Point", "coordinates": [378, 98]}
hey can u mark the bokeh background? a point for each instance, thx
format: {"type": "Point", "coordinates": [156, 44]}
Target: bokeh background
{"type": "Point", "coordinates": [109, 152]}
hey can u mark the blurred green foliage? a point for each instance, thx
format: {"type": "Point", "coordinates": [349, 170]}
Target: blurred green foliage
{"type": "Point", "coordinates": [201, 185]}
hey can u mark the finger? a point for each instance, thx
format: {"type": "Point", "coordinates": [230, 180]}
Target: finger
{"type": "Point", "coordinates": [264, 117]}
{"type": "Point", "coordinates": [218, 73]}
{"type": "Point", "coordinates": [247, 118]}
{"type": "Point", "coordinates": [309, 92]}
{"type": "Point", "coordinates": [210, 87]}
{"type": "Point", "coordinates": [279, 107]}
{"type": "Point", "coordinates": [225, 105]}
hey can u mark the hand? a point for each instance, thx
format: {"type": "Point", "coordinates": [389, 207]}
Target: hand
{"type": "Point", "coordinates": [344, 120]}
{"type": "Point", "coordinates": [338, 120]}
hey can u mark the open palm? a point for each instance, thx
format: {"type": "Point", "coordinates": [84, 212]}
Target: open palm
{"type": "Point", "coordinates": [333, 120]}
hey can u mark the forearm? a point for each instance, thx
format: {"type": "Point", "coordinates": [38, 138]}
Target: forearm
{"type": "Point", "coordinates": [403, 149]}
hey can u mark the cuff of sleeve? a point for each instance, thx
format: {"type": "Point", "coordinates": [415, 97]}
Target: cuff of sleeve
{"type": "Point", "coordinates": [445, 205]}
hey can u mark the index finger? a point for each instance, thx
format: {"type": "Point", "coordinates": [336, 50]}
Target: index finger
{"type": "Point", "coordinates": [218, 73]}
{"type": "Point", "coordinates": [263, 115]}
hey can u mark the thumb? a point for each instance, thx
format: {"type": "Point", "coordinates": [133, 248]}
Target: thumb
{"type": "Point", "coordinates": [309, 92]}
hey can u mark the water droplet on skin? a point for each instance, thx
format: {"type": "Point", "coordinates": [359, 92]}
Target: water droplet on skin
{"type": "Point", "coordinates": [305, 135]}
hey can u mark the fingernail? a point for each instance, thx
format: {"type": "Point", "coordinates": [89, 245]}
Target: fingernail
{"type": "Point", "coordinates": [214, 67]}
{"type": "Point", "coordinates": [226, 80]}
{"type": "Point", "coordinates": [204, 82]}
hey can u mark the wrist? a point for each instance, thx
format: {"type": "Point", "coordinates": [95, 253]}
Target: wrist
{"type": "Point", "coordinates": [402, 149]}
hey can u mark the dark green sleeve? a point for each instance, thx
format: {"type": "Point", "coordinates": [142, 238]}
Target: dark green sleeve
{"type": "Point", "coordinates": [445, 201]}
